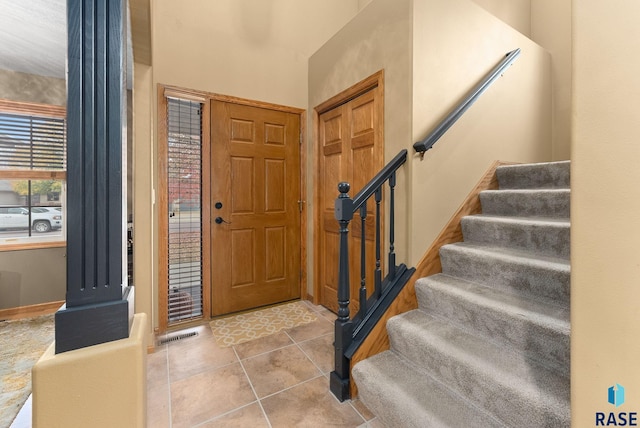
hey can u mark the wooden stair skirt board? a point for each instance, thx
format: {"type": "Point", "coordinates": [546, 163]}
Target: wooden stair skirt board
{"type": "Point", "coordinates": [378, 340]}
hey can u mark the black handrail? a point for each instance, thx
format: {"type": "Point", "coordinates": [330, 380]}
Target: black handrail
{"type": "Point", "coordinates": [425, 144]}
{"type": "Point", "coordinates": [349, 333]}
{"type": "Point", "coordinates": [380, 178]}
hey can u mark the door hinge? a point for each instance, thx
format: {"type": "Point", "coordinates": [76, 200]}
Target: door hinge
{"type": "Point", "coordinates": [300, 204]}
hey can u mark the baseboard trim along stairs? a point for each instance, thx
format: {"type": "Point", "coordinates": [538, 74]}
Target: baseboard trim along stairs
{"type": "Point", "coordinates": [489, 343]}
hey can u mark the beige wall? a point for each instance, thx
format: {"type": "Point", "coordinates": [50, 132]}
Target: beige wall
{"type": "Point", "coordinates": [516, 13]}
{"type": "Point", "coordinates": [378, 38]}
{"type": "Point", "coordinates": [16, 86]}
{"type": "Point", "coordinates": [250, 49]}
{"type": "Point", "coordinates": [455, 44]}
{"type": "Point", "coordinates": [30, 277]}
{"type": "Point", "coordinates": [548, 23]}
{"type": "Point", "coordinates": [605, 231]}
{"type": "Point", "coordinates": [551, 28]}
{"type": "Point", "coordinates": [245, 48]}
{"type": "Point", "coordinates": [144, 216]}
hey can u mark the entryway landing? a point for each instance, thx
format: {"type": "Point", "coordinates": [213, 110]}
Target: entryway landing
{"type": "Point", "coordinates": [281, 380]}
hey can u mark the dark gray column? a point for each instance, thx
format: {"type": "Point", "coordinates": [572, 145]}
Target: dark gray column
{"type": "Point", "coordinates": [96, 310]}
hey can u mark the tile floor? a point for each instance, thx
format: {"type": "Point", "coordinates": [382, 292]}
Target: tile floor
{"type": "Point", "coordinates": [278, 381]}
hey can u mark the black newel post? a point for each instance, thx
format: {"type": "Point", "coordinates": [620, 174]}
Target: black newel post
{"type": "Point", "coordinates": [96, 309]}
{"type": "Point", "coordinates": [339, 379]}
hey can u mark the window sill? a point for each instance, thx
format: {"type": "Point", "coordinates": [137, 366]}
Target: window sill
{"type": "Point", "coordinates": [31, 245]}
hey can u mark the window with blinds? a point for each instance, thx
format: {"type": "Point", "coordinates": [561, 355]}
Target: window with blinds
{"type": "Point", "coordinates": [184, 228]}
{"type": "Point", "coordinates": [32, 142]}
{"type": "Point", "coordinates": [32, 172]}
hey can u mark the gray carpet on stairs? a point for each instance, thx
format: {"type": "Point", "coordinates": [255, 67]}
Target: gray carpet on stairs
{"type": "Point", "coordinates": [489, 343]}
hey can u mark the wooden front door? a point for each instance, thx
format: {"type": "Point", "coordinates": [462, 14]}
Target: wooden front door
{"type": "Point", "coordinates": [350, 149]}
{"type": "Point", "coordinates": [255, 188]}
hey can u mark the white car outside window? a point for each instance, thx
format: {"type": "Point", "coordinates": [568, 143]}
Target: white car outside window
{"type": "Point", "coordinates": [43, 219]}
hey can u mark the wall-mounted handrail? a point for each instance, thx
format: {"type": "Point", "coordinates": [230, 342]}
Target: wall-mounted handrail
{"type": "Point", "coordinates": [425, 144]}
{"type": "Point", "coordinates": [350, 332]}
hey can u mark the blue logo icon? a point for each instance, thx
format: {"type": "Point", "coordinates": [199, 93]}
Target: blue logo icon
{"type": "Point", "coordinates": [616, 395]}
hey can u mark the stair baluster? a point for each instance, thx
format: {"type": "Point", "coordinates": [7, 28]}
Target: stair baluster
{"type": "Point", "coordinates": [350, 333]}
{"type": "Point", "coordinates": [339, 379]}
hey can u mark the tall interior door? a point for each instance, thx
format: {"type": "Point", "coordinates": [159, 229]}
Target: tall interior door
{"type": "Point", "coordinates": [350, 149]}
{"type": "Point", "coordinates": [255, 189]}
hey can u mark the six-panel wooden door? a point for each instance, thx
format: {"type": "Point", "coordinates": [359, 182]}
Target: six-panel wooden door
{"type": "Point", "coordinates": [350, 149]}
{"type": "Point", "coordinates": [255, 188]}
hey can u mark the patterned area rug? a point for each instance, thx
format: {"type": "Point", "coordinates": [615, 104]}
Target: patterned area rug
{"type": "Point", "coordinates": [241, 328]}
{"type": "Point", "coordinates": [22, 343]}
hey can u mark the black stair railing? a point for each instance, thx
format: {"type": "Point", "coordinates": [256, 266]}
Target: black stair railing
{"type": "Point", "coordinates": [425, 144]}
{"type": "Point", "coordinates": [350, 332]}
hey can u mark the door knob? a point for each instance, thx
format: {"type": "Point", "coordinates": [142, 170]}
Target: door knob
{"type": "Point", "coordinates": [220, 220]}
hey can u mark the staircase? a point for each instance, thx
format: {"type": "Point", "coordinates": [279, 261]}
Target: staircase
{"type": "Point", "coordinates": [488, 345]}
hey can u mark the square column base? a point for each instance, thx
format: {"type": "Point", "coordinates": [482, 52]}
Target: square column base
{"type": "Point", "coordinates": [92, 324]}
{"type": "Point", "coordinates": [103, 385]}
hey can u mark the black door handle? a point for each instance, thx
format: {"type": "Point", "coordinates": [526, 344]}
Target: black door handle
{"type": "Point", "coordinates": [220, 220]}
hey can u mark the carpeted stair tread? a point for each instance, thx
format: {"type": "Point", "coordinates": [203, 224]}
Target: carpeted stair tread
{"type": "Point", "coordinates": [492, 331]}
{"type": "Point", "coordinates": [494, 377]}
{"type": "Point", "coordinates": [536, 276]}
{"type": "Point", "coordinates": [526, 202]}
{"type": "Point", "coordinates": [404, 396]}
{"type": "Point", "coordinates": [534, 176]}
{"type": "Point", "coordinates": [546, 236]}
{"type": "Point", "coordinates": [537, 329]}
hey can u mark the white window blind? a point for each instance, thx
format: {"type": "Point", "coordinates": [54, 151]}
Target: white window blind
{"type": "Point", "coordinates": [32, 142]}
{"type": "Point", "coordinates": [184, 186]}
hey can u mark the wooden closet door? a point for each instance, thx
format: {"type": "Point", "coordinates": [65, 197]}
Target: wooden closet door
{"type": "Point", "coordinates": [350, 145]}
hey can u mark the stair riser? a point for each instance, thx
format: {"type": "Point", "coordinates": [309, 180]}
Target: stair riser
{"type": "Point", "coordinates": [534, 340]}
{"type": "Point", "coordinates": [546, 175]}
{"type": "Point", "coordinates": [524, 277]}
{"type": "Point", "coordinates": [476, 385]}
{"type": "Point", "coordinates": [551, 240]}
{"type": "Point", "coordinates": [531, 204]}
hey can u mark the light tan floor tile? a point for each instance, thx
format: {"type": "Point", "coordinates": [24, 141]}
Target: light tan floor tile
{"type": "Point", "coordinates": [311, 306]}
{"type": "Point", "coordinates": [321, 310]}
{"type": "Point", "coordinates": [158, 406]}
{"type": "Point", "coordinates": [250, 416]}
{"type": "Point", "coordinates": [206, 395]}
{"type": "Point", "coordinates": [310, 405]}
{"type": "Point", "coordinates": [279, 369]}
{"type": "Point", "coordinates": [196, 355]}
{"type": "Point", "coordinates": [320, 350]}
{"type": "Point", "coordinates": [314, 329]}
{"type": "Point", "coordinates": [262, 345]}
{"type": "Point", "coordinates": [157, 370]}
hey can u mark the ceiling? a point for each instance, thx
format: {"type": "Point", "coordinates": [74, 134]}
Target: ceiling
{"type": "Point", "coordinates": [33, 36]}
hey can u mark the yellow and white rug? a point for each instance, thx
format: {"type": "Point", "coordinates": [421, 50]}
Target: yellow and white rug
{"type": "Point", "coordinates": [237, 329]}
